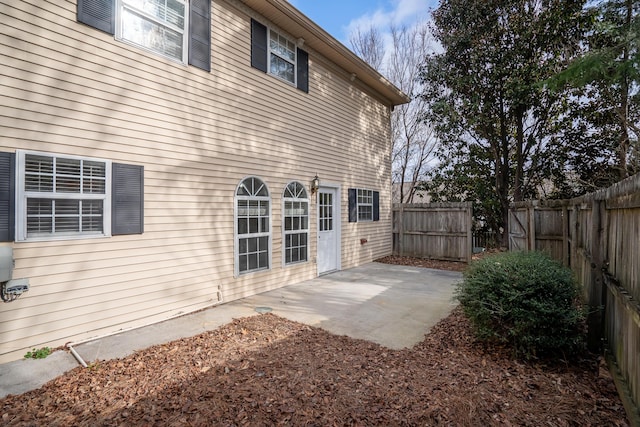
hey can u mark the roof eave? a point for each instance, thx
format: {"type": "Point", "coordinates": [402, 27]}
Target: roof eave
{"type": "Point", "coordinates": [297, 24]}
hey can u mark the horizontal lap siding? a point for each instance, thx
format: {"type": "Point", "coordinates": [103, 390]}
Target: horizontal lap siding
{"type": "Point", "coordinates": [70, 89]}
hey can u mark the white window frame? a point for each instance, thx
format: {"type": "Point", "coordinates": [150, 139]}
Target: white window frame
{"type": "Point", "coordinates": [238, 236]}
{"type": "Point", "coordinates": [369, 195]}
{"type": "Point", "coordinates": [22, 195]}
{"type": "Point", "coordinates": [286, 232]}
{"type": "Point", "coordinates": [295, 57]}
{"type": "Point", "coordinates": [121, 5]}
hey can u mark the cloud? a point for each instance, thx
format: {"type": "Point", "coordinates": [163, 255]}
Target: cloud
{"type": "Point", "coordinates": [401, 12]}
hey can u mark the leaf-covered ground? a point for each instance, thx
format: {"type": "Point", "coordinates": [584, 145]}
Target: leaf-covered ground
{"type": "Point", "coordinates": [266, 370]}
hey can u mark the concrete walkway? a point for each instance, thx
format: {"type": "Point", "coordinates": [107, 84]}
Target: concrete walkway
{"type": "Point", "coordinates": [392, 305]}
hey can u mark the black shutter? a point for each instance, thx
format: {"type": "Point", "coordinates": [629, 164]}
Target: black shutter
{"type": "Point", "coordinates": [99, 14]}
{"type": "Point", "coordinates": [353, 205]}
{"type": "Point", "coordinates": [258, 46]}
{"type": "Point", "coordinates": [200, 34]}
{"type": "Point", "coordinates": [303, 70]}
{"type": "Point", "coordinates": [376, 206]}
{"type": "Point", "coordinates": [7, 196]}
{"type": "Point", "coordinates": [127, 199]}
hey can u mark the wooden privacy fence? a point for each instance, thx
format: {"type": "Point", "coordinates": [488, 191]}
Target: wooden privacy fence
{"type": "Point", "coordinates": [598, 236]}
{"type": "Point", "coordinates": [433, 230]}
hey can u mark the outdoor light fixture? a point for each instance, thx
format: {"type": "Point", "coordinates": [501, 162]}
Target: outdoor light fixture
{"type": "Point", "coordinates": [315, 184]}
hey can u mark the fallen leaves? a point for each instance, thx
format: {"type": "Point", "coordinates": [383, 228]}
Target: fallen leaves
{"type": "Point", "coordinates": [265, 370]}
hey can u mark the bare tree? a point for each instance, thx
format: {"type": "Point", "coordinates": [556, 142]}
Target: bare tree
{"type": "Point", "coordinates": [400, 61]}
{"type": "Point", "coordinates": [368, 45]}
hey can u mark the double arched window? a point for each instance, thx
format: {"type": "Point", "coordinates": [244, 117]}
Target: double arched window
{"type": "Point", "coordinates": [252, 226]}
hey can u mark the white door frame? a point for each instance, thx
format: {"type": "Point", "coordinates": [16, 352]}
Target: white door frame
{"type": "Point", "coordinates": [337, 223]}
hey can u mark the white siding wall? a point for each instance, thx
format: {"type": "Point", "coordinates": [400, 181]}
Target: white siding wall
{"type": "Point", "coordinates": [70, 89]}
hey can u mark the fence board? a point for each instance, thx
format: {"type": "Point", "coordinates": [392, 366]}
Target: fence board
{"type": "Point", "coordinates": [433, 230]}
{"type": "Point", "coordinates": [598, 236]}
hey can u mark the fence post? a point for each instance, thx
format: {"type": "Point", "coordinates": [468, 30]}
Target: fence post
{"type": "Point", "coordinates": [531, 222]}
{"type": "Point", "coordinates": [596, 310]}
{"type": "Point", "coordinates": [401, 230]}
{"type": "Point", "coordinates": [566, 257]}
{"type": "Point", "coordinates": [469, 232]}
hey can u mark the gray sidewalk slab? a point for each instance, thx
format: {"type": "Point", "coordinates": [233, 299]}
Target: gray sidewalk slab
{"type": "Point", "coordinates": [391, 305]}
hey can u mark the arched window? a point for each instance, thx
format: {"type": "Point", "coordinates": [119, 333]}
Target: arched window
{"type": "Point", "coordinates": [296, 223]}
{"type": "Point", "coordinates": [252, 226]}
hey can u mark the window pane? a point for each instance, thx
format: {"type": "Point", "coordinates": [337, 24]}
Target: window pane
{"type": "Point", "coordinates": [252, 245]}
{"type": "Point", "coordinates": [67, 167]}
{"type": "Point", "coordinates": [37, 225]}
{"type": "Point", "coordinates": [170, 11]}
{"type": "Point", "coordinates": [253, 261]}
{"type": "Point", "coordinates": [263, 260]}
{"type": "Point", "coordinates": [242, 247]}
{"type": "Point", "coordinates": [65, 224]}
{"type": "Point", "coordinates": [281, 68]}
{"type": "Point", "coordinates": [38, 173]}
{"type": "Point", "coordinates": [243, 263]}
{"type": "Point", "coordinates": [93, 174]}
{"type": "Point", "coordinates": [92, 215]}
{"type": "Point", "coordinates": [67, 184]}
{"type": "Point", "coordinates": [253, 225]}
{"type": "Point", "coordinates": [67, 207]}
{"type": "Point", "coordinates": [281, 46]}
{"type": "Point", "coordinates": [149, 34]}
{"type": "Point", "coordinates": [243, 226]}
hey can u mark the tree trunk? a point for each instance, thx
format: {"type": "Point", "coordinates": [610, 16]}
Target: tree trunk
{"type": "Point", "coordinates": [517, 184]}
{"type": "Point", "coordinates": [623, 113]}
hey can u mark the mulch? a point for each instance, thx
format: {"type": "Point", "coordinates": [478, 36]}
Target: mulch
{"type": "Point", "coordinates": [265, 370]}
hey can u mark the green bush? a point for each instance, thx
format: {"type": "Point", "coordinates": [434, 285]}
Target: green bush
{"type": "Point", "coordinates": [525, 300]}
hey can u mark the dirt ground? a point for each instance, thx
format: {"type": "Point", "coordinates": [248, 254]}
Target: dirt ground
{"type": "Point", "coordinates": [265, 370]}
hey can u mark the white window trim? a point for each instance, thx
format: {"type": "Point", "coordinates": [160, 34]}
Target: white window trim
{"type": "Point", "coordinates": [22, 195]}
{"type": "Point", "coordinates": [358, 204]}
{"type": "Point", "coordinates": [236, 236]}
{"type": "Point", "coordinates": [185, 32]}
{"type": "Point", "coordinates": [285, 232]}
{"type": "Point", "coordinates": [295, 59]}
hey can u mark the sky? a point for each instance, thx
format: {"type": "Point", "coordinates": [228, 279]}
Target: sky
{"type": "Point", "coordinates": [340, 17]}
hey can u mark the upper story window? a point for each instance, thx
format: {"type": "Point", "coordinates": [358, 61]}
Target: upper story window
{"type": "Point", "coordinates": [274, 53]}
{"type": "Point", "coordinates": [176, 29]}
{"type": "Point", "coordinates": [62, 196]}
{"type": "Point", "coordinates": [252, 226]}
{"type": "Point", "coordinates": [296, 223]}
{"type": "Point", "coordinates": [157, 25]}
{"type": "Point", "coordinates": [282, 57]}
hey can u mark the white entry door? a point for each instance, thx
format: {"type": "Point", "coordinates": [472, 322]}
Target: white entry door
{"type": "Point", "coordinates": [328, 230]}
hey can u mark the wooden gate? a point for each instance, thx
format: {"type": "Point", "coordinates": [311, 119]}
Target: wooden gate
{"type": "Point", "coordinates": [433, 230]}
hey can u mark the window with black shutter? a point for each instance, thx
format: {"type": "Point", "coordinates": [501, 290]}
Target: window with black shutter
{"type": "Point", "coordinates": [179, 30]}
{"type": "Point", "coordinates": [276, 54]}
{"type": "Point", "coordinates": [364, 205]}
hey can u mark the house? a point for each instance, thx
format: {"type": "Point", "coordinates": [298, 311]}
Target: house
{"type": "Point", "coordinates": [157, 158]}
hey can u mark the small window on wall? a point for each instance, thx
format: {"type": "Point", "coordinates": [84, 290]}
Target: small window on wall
{"type": "Point", "coordinates": [253, 228]}
{"type": "Point", "coordinates": [296, 223]}
{"type": "Point", "coordinates": [274, 53]}
{"type": "Point", "coordinates": [62, 196]}
{"type": "Point", "coordinates": [47, 196]}
{"type": "Point", "coordinates": [364, 205]}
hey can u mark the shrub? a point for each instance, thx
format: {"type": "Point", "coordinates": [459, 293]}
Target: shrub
{"type": "Point", "coordinates": [525, 300]}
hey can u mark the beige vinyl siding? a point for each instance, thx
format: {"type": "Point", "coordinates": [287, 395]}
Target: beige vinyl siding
{"type": "Point", "coordinates": [70, 89]}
